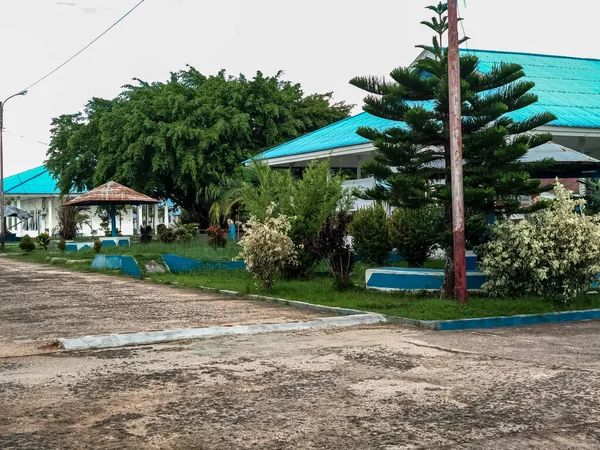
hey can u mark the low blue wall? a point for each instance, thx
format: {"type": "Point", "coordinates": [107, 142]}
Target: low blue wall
{"type": "Point", "coordinates": [126, 264]}
{"type": "Point", "coordinates": [76, 246]}
{"type": "Point", "coordinates": [118, 241]}
{"type": "Point", "coordinates": [400, 278]}
{"type": "Point", "coordinates": [107, 262]}
{"type": "Point", "coordinates": [129, 266]}
{"type": "Point", "coordinates": [177, 264]}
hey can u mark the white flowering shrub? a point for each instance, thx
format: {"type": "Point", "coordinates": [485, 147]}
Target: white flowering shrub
{"type": "Point", "coordinates": [554, 253]}
{"type": "Point", "coordinates": [266, 247]}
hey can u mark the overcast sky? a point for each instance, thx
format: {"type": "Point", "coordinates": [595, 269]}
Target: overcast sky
{"type": "Point", "coordinates": [319, 43]}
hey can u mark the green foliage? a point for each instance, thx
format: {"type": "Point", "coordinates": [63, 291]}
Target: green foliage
{"type": "Point", "coordinates": [181, 139]}
{"type": "Point", "coordinates": [592, 196]}
{"type": "Point", "coordinates": [62, 245]}
{"type": "Point", "coordinates": [215, 236]}
{"type": "Point", "coordinates": [145, 234]}
{"type": "Point", "coordinates": [331, 244]}
{"type": "Point", "coordinates": [27, 244]}
{"type": "Point", "coordinates": [160, 228]}
{"type": "Point", "coordinates": [103, 213]}
{"type": "Point", "coordinates": [184, 232]}
{"type": "Point", "coordinates": [71, 219]}
{"type": "Point", "coordinates": [370, 237]}
{"type": "Point", "coordinates": [412, 162]}
{"type": "Point", "coordinates": [97, 246]}
{"type": "Point", "coordinates": [266, 247]}
{"type": "Point", "coordinates": [554, 253]}
{"type": "Point", "coordinates": [166, 235]}
{"type": "Point", "coordinates": [413, 233]}
{"type": "Point", "coordinates": [187, 231]}
{"type": "Point", "coordinates": [307, 201]}
{"type": "Point", "coordinates": [43, 240]}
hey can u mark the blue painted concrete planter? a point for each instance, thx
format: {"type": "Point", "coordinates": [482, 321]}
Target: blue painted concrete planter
{"type": "Point", "coordinates": [177, 264]}
{"type": "Point", "coordinates": [107, 262]}
{"type": "Point", "coordinates": [126, 264]}
{"type": "Point", "coordinates": [118, 241]}
{"type": "Point", "coordinates": [76, 246]}
{"type": "Point", "coordinates": [400, 278]}
{"type": "Point", "coordinates": [106, 242]}
{"type": "Point", "coordinates": [129, 266]}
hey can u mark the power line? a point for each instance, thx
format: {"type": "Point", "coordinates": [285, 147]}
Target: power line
{"type": "Point", "coordinates": [87, 46]}
{"type": "Point", "coordinates": [25, 137]}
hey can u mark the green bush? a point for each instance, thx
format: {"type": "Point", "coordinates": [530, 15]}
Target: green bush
{"type": "Point", "coordinates": [160, 228]}
{"type": "Point", "coordinates": [187, 231]}
{"type": "Point", "coordinates": [145, 234]}
{"type": "Point", "coordinates": [307, 202]}
{"type": "Point", "coordinates": [370, 236]}
{"type": "Point", "coordinates": [413, 233]}
{"type": "Point", "coordinates": [62, 245]}
{"type": "Point", "coordinates": [167, 236]}
{"type": "Point", "coordinates": [554, 253]}
{"type": "Point", "coordinates": [27, 244]}
{"type": "Point", "coordinates": [97, 246]}
{"type": "Point", "coordinates": [331, 245]}
{"type": "Point", "coordinates": [43, 240]}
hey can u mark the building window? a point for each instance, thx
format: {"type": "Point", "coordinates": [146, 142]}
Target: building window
{"type": "Point", "coordinates": [33, 223]}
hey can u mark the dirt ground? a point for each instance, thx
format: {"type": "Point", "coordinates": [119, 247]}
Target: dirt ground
{"type": "Point", "coordinates": [40, 303]}
{"type": "Point", "coordinates": [376, 387]}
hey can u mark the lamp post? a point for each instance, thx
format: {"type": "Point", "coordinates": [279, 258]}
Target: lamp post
{"type": "Point", "coordinates": [2, 225]}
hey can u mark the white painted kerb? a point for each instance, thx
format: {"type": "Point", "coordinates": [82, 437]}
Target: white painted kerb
{"type": "Point", "coordinates": [152, 337]}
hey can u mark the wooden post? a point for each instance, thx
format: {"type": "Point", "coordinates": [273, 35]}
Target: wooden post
{"type": "Point", "coordinates": [456, 160]}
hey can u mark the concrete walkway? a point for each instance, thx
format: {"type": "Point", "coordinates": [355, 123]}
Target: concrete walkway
{"type": "Point", "coordinates": [41, 303]}
{"type": "Point", "coordinates": [376, 387]}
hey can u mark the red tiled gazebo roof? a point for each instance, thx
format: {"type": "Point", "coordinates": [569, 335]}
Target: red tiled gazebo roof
{"type": "Point", "coordinates": [112, 193]}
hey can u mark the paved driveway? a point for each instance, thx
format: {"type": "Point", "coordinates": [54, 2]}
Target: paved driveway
{"type": "Point", "coordinates": [40, 303]}
{"type": "Point", "coordinates": [377, 387]}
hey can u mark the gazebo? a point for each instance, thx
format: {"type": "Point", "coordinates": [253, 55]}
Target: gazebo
{"type": "Point", "coordinates": [112, 194]}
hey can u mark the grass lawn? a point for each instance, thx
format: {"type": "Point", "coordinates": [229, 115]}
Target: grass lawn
{"type": "Point", "coordinates": [411, 306]}
{"type": "Point", "coordinates": [319, 290]}
{"type": "Point", "coordinates": [195, 249]}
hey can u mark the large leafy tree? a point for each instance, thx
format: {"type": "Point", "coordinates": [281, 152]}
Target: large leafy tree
{"type": "Point", "coordinates": [412, 162]}
{"type": "Point", "coordinates": [182, 139]}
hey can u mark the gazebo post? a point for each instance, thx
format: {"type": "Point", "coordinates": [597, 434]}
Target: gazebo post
{"type": "Point", "coordinates": [113, 220]}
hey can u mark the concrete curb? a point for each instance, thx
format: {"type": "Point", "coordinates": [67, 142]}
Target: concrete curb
{"type": "Point", "coordinates": [153, 337]}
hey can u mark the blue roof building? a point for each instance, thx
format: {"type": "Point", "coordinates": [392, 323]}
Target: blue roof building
{"type": "Point", "coordinates": [37, 181]}
{"type": "Point", "coordinates": [567, 87]}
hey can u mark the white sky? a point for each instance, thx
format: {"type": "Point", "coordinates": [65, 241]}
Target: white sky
{"type": "Point", "coordinates": [319, 43]}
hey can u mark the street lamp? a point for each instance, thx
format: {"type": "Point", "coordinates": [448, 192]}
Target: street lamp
{"type": "Point", "coordinates": [2, 225]}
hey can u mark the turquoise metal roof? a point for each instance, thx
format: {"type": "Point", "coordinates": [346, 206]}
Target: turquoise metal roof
{"type": "Point", "coordinates": [567, 87]}
{"type": "Point", "coordinates": [338, 134]}
{"type": "Point", "coordinates": [32, 181]}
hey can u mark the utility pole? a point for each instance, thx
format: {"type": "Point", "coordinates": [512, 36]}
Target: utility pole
{"type": "Point", "coordinates": [456, 160]}
{"type": "Point", "coordinates": [2, 224]}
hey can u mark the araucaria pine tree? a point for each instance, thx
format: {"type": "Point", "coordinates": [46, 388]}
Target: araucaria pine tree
{"type": "Point", "coordinates": [412, 162]}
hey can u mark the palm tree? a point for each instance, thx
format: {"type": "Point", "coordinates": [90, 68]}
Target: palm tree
{"type": "Point", "coordinates": [72, 218]}
{"type": "Point", "coordinates": [228, 194]}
